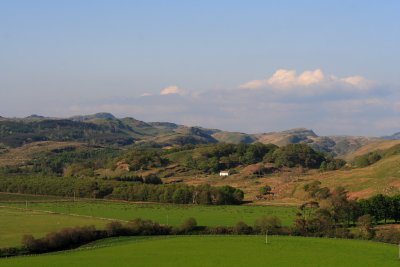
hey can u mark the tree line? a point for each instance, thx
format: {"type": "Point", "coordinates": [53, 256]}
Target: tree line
{"type": "Point", "coordinates": [130, 191]}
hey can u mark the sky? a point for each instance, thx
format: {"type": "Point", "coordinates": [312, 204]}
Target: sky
{"type": "Point", "coordinates": [249, 66]}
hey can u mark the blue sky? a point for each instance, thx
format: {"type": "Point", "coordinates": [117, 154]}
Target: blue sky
{"type": "Point", "coordinates": [250, 66]}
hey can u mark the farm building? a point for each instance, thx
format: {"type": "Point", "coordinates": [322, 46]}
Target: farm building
{"type": "Point", "coordinates": [224, 173]}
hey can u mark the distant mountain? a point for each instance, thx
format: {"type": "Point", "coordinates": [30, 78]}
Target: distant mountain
{"type": "Point", "coordinates": [102, 115]}
{"type": "Point", "coordinates": [337, 145]}
{"type": "Point", "coordinates": [106, 129]}
{"type": "Point", "coordinates": [234, 137]}
{"type": "Point", "coordinates": [395, 136]}
{"type": "Point", "coordinates": [34, 116]}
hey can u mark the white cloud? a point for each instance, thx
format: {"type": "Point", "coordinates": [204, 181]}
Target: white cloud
{"type": "Point", "coordinates": [173, 89]}
{"type": "Point", "coordinates": [286, 80]}
{"type": "Point", "coordinates": [146, 94]}
{"type": "Point", "coordinates": [358, 81]}
{"type": "Point", "coordinates": [326, 103]}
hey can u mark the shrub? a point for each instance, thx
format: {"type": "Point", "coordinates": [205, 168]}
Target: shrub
{"type": "Point", "coordinates": [243, 229]}
{"type": "Point", "coordinates": [188, 225]}
{"type": "Point", "coordinates": [152, 179]}
{"type": "Point", "coordinates": [115, 228]}
{"type": "Point", "coordinates": [265, 190]}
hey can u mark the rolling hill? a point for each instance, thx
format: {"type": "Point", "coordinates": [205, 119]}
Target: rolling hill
{"type": "Point", "coordinates": [106, 129]}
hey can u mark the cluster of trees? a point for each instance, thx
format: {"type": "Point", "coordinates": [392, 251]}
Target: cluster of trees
{"type": "Point", "coordinates": [148, 179]}
{"type": "Point", "coordinates": [381, 207]}
{"type": "Point", "coordinates": [367, 159]}
{"type": "Point", "coordinates": [57, 186]}
{"type": "Point", "coordinates": [330, 213]}
{"type": "Point", "coordinates": [92, 188]}
{"type": "Point", "coordinates": [144, 159]}
{"type": "Point", "coordinates": [179, 194]}
{"type": "Point", "coordinates": [225, 156]}
{"type": "Point", "coordinates": [331, 164]}
{"type": "Point", "coordinates": [73, 161]}
{"type": "Point", "coordinates": [65, 239]}
{"type": "Point", "coordinates": [294, 155]}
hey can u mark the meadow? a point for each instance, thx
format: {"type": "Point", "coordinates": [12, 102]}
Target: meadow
{"type": "Point", "coordinates": [38, 215]}
{"type": "Point", "coordinates": [219, 251]}
{"type": "Point", "coordinates": [14, 223]}
{"type": "Point", "coordinates": [170, 214]}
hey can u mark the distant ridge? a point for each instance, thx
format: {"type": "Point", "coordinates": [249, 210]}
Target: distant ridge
{"type": "Point", "coordinates": [106, 129]}
{"type": "Point", "coordinates": [101, 115]}
{"type": "Point", "coordinates": [395, 136]}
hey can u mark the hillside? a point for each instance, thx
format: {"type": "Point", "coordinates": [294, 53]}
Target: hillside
{"type": "Point", "coordinates": [378, 145]}
{"type": "Point", "coordinates": [106, 129]}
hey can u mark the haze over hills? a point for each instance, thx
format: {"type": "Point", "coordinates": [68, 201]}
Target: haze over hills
{"type": "Point", "coordinates": [106, 129]}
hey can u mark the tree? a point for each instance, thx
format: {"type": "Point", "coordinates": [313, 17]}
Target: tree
{"type": "Point", "coordinates": [272, 224]}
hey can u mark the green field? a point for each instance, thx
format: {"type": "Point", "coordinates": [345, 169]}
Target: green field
{"type": "Point", "coordinates": [8, 197]}
{"type": "Point", "coordinates": [164, 213]}
{"type": "Point", "coordinates": [220, 251]}
{"type": "Point", "coordinates": [14, 223]}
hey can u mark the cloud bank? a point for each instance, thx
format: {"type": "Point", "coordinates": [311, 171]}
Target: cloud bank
{"type": "Point", "coordinates": [289, 80]}
{"type": "Point", "coordinates": [352, 105]}
{"type": "Point", "coordinates": [172, 89]}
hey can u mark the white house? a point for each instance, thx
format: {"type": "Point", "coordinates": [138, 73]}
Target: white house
{"type": "Point", "coordinates": [224, 173]}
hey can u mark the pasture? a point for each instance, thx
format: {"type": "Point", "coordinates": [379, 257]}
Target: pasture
{"type": "Point", "coordinates": [170, 214]}
{"type": "Point", "coordinates": [14, 223]}
{"type": "Point", "coordinates": [219, 251]}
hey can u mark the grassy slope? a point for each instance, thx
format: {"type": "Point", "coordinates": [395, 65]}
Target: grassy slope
{"type": "Point", "coordinates": [14, 223]}
{"type": "Point", "coordinates": [381, 177]}
{"type": "Point", "coordinates": [19, 155]}
{"type": "Point", "coordinates": [222, 251]}
{"type": "Point", "coordinates": [374, 146]}
{"type": "Point", "coordinates": [166, 213]}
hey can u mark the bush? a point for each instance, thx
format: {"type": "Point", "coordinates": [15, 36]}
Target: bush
{"type": "Point", "coordinates": [390, 235]}
{"type": "Point", "coordinates": [188, 225]}
{"type": "Point", "coordinates": [265, 190]}
{"type": "Point", "coordinates": [365, 227]}
{"type": "Point", "coordinates": [242, 228]}
{"type": "Point", "coordinates": [146, 227]}
{"type": "Point", "coordinates": [152, 179]}
{"type": "Point", "coordinates": [115, 229]}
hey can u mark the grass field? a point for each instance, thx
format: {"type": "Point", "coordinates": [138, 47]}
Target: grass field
{"type": "Point", "coordinates": [165, 213]}
{"type": "Point", "coordinates": [9, 197]}
{"type": "Point", "coordinates": [14, 223]}
{"type": "Point", "coordinates": [220, 251]}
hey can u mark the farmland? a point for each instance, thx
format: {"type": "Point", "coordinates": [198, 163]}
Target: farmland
{"type": "Point", "coordinates": [14, 223]}
{"type": "Point", "coordinates": [162, 213]}
{"type": "Point", "coordinates": [219, 251]}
